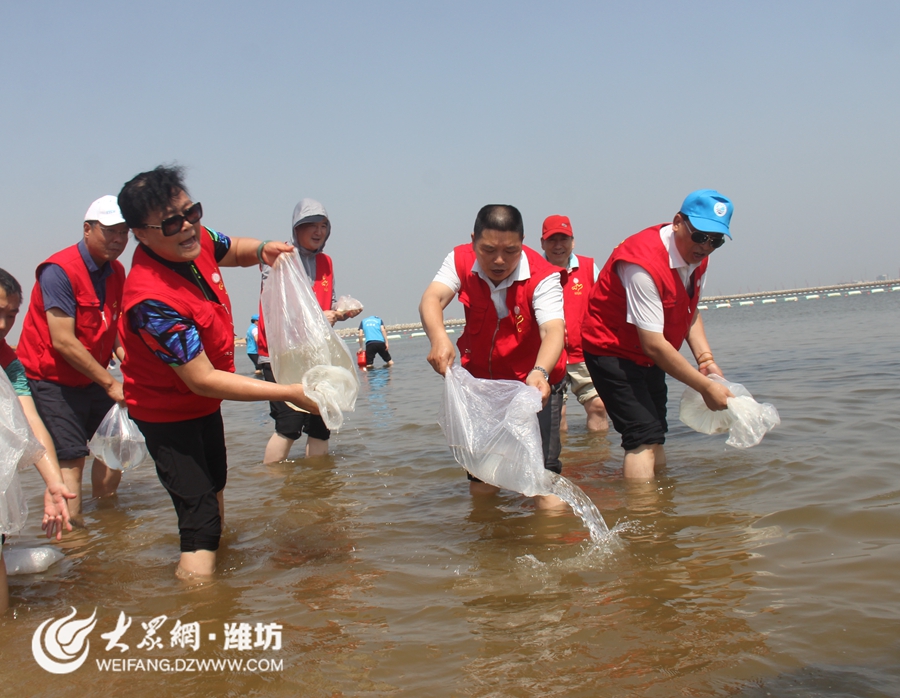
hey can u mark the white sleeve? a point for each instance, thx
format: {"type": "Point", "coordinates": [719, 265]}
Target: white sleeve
{"type": "Point", "coordinates": [644, 307]}
{"type": "Point", "coordinates": [548, 300]}
{"type": "Point", "coordinates": [447, 273]}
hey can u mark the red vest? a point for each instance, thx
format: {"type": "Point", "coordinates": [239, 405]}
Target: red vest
{"type": "Point", "coordinates": [605, 331]}
{"type": "Point", "coordinates": [153, 391]}
{"type": "Point", "coordinates": [95, 326]}
{"type": "Point", "coordinates": [7, 354]}
{"type": "Point", "coordinates": [323, 287]}
{"type": "Point", "coordinates": [502, 348]}
{"type": "Point", "coordinates": [576, 289]}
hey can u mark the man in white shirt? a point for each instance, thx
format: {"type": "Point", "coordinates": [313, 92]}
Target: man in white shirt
{"type": "Point", "coordinates": [515, 326]}
{"type": "Point", "coordinates": [640, 311]}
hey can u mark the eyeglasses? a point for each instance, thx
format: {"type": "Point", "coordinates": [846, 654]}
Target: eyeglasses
{"type": "Point", "coordinates": [716, 240]}
{"type": "Point", "coordinates": [173, 224]}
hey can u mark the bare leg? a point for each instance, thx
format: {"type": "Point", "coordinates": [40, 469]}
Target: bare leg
{"type": "Point", "coordinates": [563, 424]}
{"type": "Point", "coordinates": [659, 454]}
{"type": "Point", "coordinates": [278, 448]}
{"type": "Point", "coordinates": [390, 363]}
{"type": "Point", "coordinates": [316, 447]}
{"type": "Point", "coordinates": [549, 501]}
{"type": "Point", "coordinates": [482, 488]}
{"type": "Point", "coordinates": [199, 563]}
{"type": "Point", "coordinates": [72, 471]}
{"type": "Point", "coordinates": [640, 463]}
{"type": "Point", "coordinates": [596, 415]}
{"type": "Point", "coordinates": [104, 480]}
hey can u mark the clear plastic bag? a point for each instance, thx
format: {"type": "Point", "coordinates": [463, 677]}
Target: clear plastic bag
{"type": "Point", "coordinates": [301, 339]}
{"type": "Point", "coordinates": [746, 420]}
{"type": "Point", "coordinates": [492, 428]}
{"type": "Point", "coordinates": [19, 448]}
{"type": "Point", "coordinates": [347, 303]}
{"type": "Point", "coordinates": [30, 560]}
{"type": "Point", "coordinates": [118, 442]}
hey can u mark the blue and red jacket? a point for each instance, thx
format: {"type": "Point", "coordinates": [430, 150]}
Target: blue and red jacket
{"type": "Point", "coordinates": [153, 391]}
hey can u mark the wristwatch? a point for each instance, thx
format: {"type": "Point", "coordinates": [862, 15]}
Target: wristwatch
{"type": "Point", "coordinates": [542, 370]}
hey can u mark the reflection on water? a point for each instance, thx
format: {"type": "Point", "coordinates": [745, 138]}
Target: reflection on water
{"type": "Point", "coordinates": [770, 571]}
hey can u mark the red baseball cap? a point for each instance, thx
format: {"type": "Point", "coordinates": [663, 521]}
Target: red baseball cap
{"type": "Point", "coordinates": [556, 224]}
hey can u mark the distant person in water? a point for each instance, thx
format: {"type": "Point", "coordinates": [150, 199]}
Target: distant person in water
{"type": "Point", "coordinates": [515, 327]}
{"type": "Point", "coordinates": [373, 338]}
{"type": "Point", "coordinates": [178, 336]}
{"type": "Point", "coordinates": [310, 230]}
{"type": "Point", "coordinates": [558, 243]}
{"type": "Point", "coordinates": [69, 337]}
{"type": "Point", "coordinates": [252, 349]}
{"type": "Point", "coordinates": [640, 311]}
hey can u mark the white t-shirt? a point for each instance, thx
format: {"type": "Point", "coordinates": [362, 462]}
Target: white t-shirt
{"type": "Point", "coordinates": [548, 295]}
{"type": "Point", "coordinates": [644, 307]}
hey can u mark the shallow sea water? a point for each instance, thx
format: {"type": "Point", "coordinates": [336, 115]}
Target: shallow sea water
{"type": "Point", "coordinates": [768, 571]}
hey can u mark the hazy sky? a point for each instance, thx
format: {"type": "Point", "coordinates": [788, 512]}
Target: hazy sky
{"type": "Point", "coordinates": [404, 118]}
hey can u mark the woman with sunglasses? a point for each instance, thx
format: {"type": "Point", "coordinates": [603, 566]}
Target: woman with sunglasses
{"type": "Point", "coordinates": [641, 310]}
{"type": "Point", "coordinates": [178, 336]}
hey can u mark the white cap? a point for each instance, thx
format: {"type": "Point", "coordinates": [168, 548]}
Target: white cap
{"type": "Point", "coordinates": [105, 210]}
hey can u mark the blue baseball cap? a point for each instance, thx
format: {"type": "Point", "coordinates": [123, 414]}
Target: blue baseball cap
{"type": "Point", "coordinates": [254, 318]}
{"type": "Point", "coordinates": [708, 210]}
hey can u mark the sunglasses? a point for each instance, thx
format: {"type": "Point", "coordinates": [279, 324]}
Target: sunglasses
{"type": "Point", "coordinates": [716, 240]}
{"type": "Point", "coordinates": [173, 224]}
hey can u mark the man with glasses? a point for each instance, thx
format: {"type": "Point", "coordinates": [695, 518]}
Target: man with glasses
{"type": "Point", "coordinates": [640, 311]}
{"type": "Point", "coordinates": [68, 339]}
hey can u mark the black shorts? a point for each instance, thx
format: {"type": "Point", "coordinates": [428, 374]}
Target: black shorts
{"type": "Point", "coordinates": [71, 415]}
{"type": "Point", "coordinates": [290, 423]}
{"type": "Point", "coordinates": [192, 465]}
{"type": "Point", "coordinates": [373, 348]}
{"type": "Point", "coordinates": [634, 396]}
{"type": "Point", "coordinates": [254, 358]}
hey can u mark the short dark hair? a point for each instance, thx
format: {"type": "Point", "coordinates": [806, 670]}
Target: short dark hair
{"type": "Point", "coordinates": [502, 217]}
{"type": "Point", "coordinates": [9, 284]}
{"type": "Point", "coordinates": [150, 191]}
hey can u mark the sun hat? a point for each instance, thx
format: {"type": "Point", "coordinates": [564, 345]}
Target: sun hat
{"type": "Point", "coordinates": [708, 211]}
{"type": "Point", "coordinates": [105, 210]}
{"type": "Point", "coordinates": [556, 224]}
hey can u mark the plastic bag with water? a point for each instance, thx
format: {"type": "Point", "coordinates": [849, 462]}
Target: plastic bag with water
{"type": "Point", "coordinates": [19, 448]}
{"type": "Point", "coordinates": [347, 303]}
{"type": "Point", "coordinates": [746, 420]}
{"type": "Point", "coordinates": [303, 346]}
{"type": "Point", "coordinates": [492, 428]}
{"type": "Point", "coordinates": [118, 442]}
{"type": "Point", "coordinates": [30, 560]}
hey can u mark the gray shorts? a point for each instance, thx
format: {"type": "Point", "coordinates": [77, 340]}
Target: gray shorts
{"type": "Point", "coordinates": [71, 415]}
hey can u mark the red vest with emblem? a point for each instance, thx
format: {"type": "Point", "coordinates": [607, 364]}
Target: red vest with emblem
{"type": "Point", "coordinates": [606, 332]}
{"type": "Point", "coordinates": [95, 326]}
{"type": "Point", "coordinates": [576, 290]}
{"type": "Point", "coordinates": [323, 288]}
{"type": "Point", "coordinates": [502, 348]}
{"type": "Point", "coordinates": [7, 354]}
{"type": "Point", "coordinates": [153, 390]}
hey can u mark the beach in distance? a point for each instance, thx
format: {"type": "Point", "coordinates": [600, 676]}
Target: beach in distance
{"type": "Point", "coordinates": [373, 571]}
